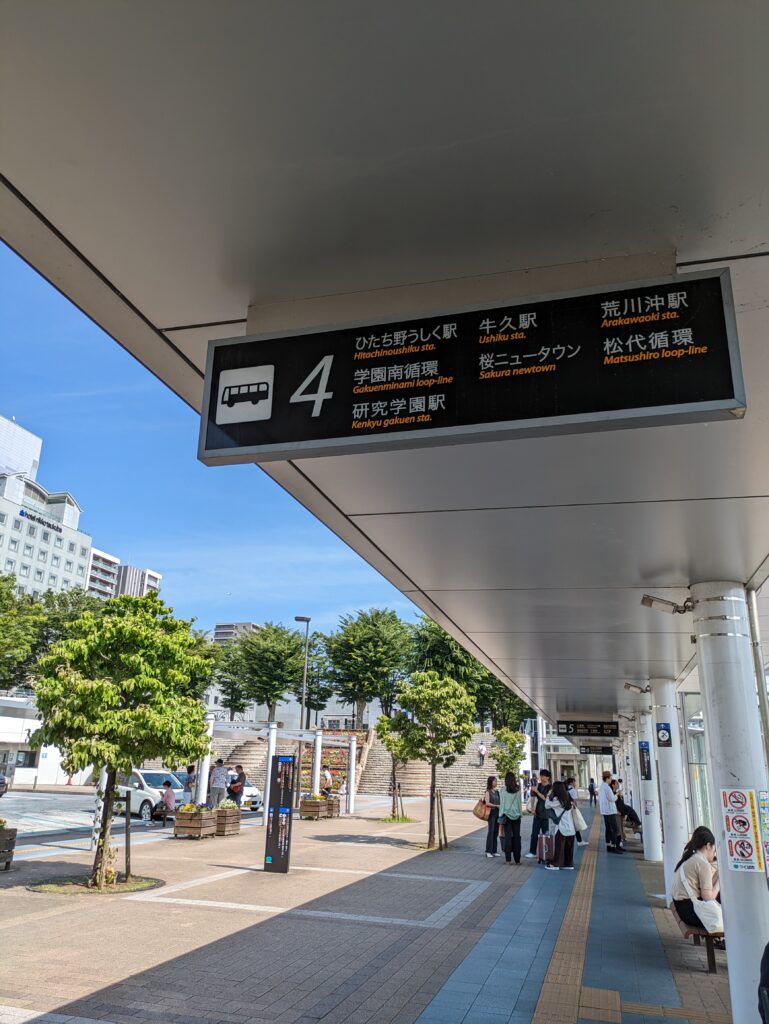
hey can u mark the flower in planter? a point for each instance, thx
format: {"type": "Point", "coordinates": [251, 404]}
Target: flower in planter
{"type": "Point", "coordinates": [190, 808]}
{"type": "Point", "coordinates": [317, 796]}
{"type": "Point", "coordinates": [3, 823]}
{"type": "Point", "coordinates": [227, 805]}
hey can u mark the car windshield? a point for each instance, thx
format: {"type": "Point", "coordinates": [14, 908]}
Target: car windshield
{"type": "Point", "coordinates": [156, 780]}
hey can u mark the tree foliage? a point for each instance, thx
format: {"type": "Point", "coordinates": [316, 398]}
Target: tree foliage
{"type": "Point", "coordinates": [369, 658]}
{"type": "Point", "coordinates": [21, 619]}
{"type": "Point", "coordinates": [228, 676]}
{"type": "Point", "coordinates": [272, 660]}
{"type": "Point", "coordinates": [118, 689]}
{"type": "Point", "coordinates": [435, 725]}
{"type": "Point", "coordinates": [508, 749]}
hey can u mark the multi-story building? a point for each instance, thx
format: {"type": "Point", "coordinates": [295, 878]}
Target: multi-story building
{"type": "Point", "coordinates": [137, 582]}
{"type": "Point", "coordinates": [40, 539]}
{"type": "Point", "coordinates": [225, 631]}
{"type": "Point", "coordinates": [103, 574]}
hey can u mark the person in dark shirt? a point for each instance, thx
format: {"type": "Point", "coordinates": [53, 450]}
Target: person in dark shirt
{"type": "Point", "coordinates": [763, 983]}
{"type": "Point", "coordinates": [541, 821]}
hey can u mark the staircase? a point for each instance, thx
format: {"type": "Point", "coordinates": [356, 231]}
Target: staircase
{"type": "Point", "coordinates": [464, 780]}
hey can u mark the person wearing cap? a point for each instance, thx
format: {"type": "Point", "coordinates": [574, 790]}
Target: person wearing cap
{"type": "Point", "coordinates": [217, 789]}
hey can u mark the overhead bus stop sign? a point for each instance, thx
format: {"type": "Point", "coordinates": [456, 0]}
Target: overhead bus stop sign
{"type": "Point", "coordinates": [648, 353]}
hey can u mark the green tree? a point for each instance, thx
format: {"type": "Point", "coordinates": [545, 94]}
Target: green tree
{"type": "Point", "coordinates": [396, 744]}
{"type": "Point", "coordinates": [508, 749]}
{"type": "Point", "coordinates": [369, 658]}
{"type": "Point", "coordinates": [272, 659]}
{"type": "Point", "coordinates": [497, 702]}
{"type": "Point", "coordinates": [320, 689]}
{"type": "Point", "coordinates": [433, 649]}
{"type": "Point", "coordinates": [115, 692]}
{"type": "Point", "coordinates": [435, 725]}
{"type": "Point", "coordinates": [20, 622]}
{"type": "Point", "coordinates": [229, 676]}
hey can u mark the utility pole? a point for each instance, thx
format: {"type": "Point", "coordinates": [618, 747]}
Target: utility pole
{"type": "Point", "coordinates": [306, 620]}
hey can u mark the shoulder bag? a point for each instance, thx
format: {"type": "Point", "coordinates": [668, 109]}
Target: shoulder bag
{"type": "Point", "coordinates": [482, 810]}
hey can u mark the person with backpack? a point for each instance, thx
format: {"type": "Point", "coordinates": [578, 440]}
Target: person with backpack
{"type": "Point", "coordinates": [559, 806]}
{"type": "Point", "coordinates": [541, 823]}
{"type": "Point", "coordinates": [491, 799]}
{"type": "Point", "coordinates": [591, 792]}
{"type": "Point", "coordinates": [510, 810]}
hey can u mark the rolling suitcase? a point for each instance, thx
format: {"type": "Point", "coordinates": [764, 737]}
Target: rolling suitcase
{"type": "Point", "coordinates": [546, 848]}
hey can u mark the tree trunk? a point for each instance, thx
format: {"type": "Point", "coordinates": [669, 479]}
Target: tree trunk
{"type": "Point", "coordinates": [307, 723]}
{"type": "Point", "coordinates": [232, 714]}
{"type": "Point", "coordinates": [360, 710]}
{"type": "Point", "coordinates": [102, 843]}
{"type": "Point", "coordinates": [271, 710]}
{"type": "Point", "coordinates": [394, 784]}
{"type": "Point", "coordinates": [431, 831]}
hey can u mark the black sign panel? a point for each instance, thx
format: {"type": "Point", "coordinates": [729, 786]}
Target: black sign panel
{"type": "Point", "coordinates": [277, 850]}
{"type": "Point", "coordinates": [644, 755]}
{"type": "Point", "coordinates": [597, 729]}
{"type": "Point", "coordinates": [596, 750]}
{"type": "Point", "coordinates": [644, 353]}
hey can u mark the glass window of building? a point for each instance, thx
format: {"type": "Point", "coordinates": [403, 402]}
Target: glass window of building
{"type": "Point", "coordinates": [46, 536]}
{"type": "Point", "coordinates": [3, 518]}
{"type": "Point", "coordinates": [81, 570]}
{"type": "Point", "coordinates": [10, 565]}
{"type": "Point", "coordinates": [13, 544]}
{"type": "Point", "coordinates": [65, 584]}
{"type": "Point", "coordinates": [31, 530]}
{"type": "Point", "coordinates": [68, 565]}
{"type": "Point", "coordinates": [42, 555]}
{"type": "Point", "coordinates": [23, 570]}
{"type": "Point", "coordinates": [84, 552]}
{"type": "Point", "coordinates": [39, 575]}
{"type": "Point", "coordinates": [695, 751]}
{"type": "Point", "coordinates": [71, 547]}
{"type": "Point", "coordinates": [35, 594]}
{"type": "Point", "coordinates": [55, 560]}
{"type": "Point", "coordinates": [2, 540]}
{"type": "Point", "coordinates": [20, 591]}
{"type": "Point", "coordinates": [17, 524]}
{"type": "Point", "coordinates": [53, 579]}
{"type": "Point", "coordinates": [28, 549]}
{"type": "Point", "coordinates": [57, 542]}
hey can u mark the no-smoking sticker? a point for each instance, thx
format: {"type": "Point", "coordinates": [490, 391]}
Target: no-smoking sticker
{"type": "Point", "coordinates": [737, 799]}
{"type": "Point", "coordinates": [744, 849]}
{"type": "Point", "coordinates": [741, 825]}
{"type": "Point", "coordinates": [738, 823]}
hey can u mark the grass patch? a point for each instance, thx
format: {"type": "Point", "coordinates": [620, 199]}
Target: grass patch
{"type": "Point", "coordinates": [399, 819]}
{"type": "Point", "coordinates": [80, 887]}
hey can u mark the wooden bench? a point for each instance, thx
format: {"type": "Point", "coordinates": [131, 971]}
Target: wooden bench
{"type": "Point", "coordinates": [699, 933]}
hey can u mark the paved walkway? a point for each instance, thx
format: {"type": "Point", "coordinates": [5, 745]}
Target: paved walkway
{"type": "Point", "coordinates": [367, 928]}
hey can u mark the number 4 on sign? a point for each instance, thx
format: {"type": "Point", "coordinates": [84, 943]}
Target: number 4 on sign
{"type": "Point", "coordinates": [322, 371]}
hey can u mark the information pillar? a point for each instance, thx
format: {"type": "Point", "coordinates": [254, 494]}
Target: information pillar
{"type": "Point", "coordinates": [277, 849]}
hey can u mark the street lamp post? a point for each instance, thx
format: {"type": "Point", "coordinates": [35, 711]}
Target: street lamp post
{"type": "Point", "coordinates": [306, 620]}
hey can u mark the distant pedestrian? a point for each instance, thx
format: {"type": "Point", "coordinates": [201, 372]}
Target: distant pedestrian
{"type": "Point", "coordinates": [559, 806]}
{"type": "Point", "coordinates": [192, 781]}
{"type": "Point", "coordinates": [571, 786]}
{"type": "Point", "coordinates": [491, 799]}
{"type": "Point", "coordinates": [343, 787]}
{"type": "Point", "coordinates": [217, 789]}
{"type": "Point", "coordinates": [166, 804]}
{"type": "Point", "coordinates": [591, 791]}
{"type": "Point", "coordinates": [327, 781]}
{"type": "Point", "coordinates": [607, 806]}
{"type": "Point", "coordinates": [481, 754]}
{"type": "Point", "coordinates": [510, 810]}
{"type": "Point", "coordinates": [238, 784]}
{"type": "Point", "coordinates": [541, 822]}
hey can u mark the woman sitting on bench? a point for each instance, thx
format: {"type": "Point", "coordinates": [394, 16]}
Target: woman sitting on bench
{"type": "Point", "coordinates": [696, 886]}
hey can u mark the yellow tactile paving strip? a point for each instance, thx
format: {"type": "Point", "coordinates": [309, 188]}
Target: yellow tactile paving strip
{"type": "Point", "coordinates": [563, 999]}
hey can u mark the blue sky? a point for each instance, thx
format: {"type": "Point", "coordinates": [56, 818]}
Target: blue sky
{"type": "Point", "coordinates": [231, 544]}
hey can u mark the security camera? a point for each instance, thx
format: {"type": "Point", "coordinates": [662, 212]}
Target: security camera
{"type": "Point", "coordinates": [659, 604]}
{"type": "Point", "coordinates": [637, 689]}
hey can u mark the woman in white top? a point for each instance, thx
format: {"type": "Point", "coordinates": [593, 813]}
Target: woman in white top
{"type": "Point", "coordinates": [559, 802]}
{"type": "Point", "coordinates": [695, 884]}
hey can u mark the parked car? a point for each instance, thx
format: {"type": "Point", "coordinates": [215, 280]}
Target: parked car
{"type": "Point", "coordinates": [252, 795]}
{"type": "Point", "coordinates": [147, 789]}
{"type": "Point", "coordinates": [3, 785]}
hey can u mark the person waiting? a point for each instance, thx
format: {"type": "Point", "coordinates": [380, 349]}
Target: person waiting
{"type": "Point", "coordinates": [695, 884]}
{"type": "Point", "coordinates": [607, 806]}
{"type": "Point", "coordinates": [491, 799]}
{"type": "Point", "coordinates": [559, 805]}
{"type": "Point", "coordinates": [541, 823]}
{"type": "Point", "coordinates": [510, 810]}
{"type": "Point", "coordinates": [591, 792]}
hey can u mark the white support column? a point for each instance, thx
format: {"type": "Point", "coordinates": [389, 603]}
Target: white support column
{"type": "Point", "coordinates": [649, 811]}
{"type": "Point", "coordinates": [201, 790]}
{"type": "Point", "coordinates": [735, 759]}
{"type": "Point", "coordinates": [672, 785]}
{"type": "Point", "coordinates": [317, 757]}
{"type": "Point", "coordinates": [272, 745]}
{"type": "Point", "coordinates": [634, 773]}
{"type": "Point", "coordinates": [351, 769]}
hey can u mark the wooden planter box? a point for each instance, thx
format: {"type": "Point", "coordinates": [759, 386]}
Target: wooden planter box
{"type": "Point", "coordinates": [313, 809]}
{"type": "Point", "coordinates": [195, 824]}
{"type": "Point", "coordinates": [227, 821]}
{"type": "Point", "coordinates": [332, 807]}
{"type": "Point", "coordinates": [7, 846]}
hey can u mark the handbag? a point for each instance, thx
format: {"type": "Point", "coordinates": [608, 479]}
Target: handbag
{"type": "Point", "coordinates": [579, 822]}
{"type": "Point", "coordinates": [482, 810]}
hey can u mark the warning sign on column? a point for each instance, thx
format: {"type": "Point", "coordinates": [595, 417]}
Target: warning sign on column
{"type": "Point", "coordinates": [741, 826]}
